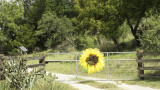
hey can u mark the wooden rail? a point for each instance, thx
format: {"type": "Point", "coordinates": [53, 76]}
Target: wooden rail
{"type": "Point", "coordinates": [141, 61]}
{"type": "Point", "coordinates": [41, 59]}
{"type": "Point", "coordinates": [18, 57]}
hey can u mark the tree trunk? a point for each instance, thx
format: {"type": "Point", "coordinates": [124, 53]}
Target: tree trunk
{"type": "Point", "coordinates": [135, 28]}
{"type": "Point", "coordinates": [138, 43]}
{"type": "Point", "coordinates": [116, 43]}
{"type": "Point", "coordinates": [100, 40]}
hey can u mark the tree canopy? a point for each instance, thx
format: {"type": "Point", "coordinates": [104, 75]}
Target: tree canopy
{"type": "Point", "coordinates": [79, 23]}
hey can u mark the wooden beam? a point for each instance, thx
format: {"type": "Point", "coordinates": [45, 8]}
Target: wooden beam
{"type": "Point", "coordinates": [1, 61]}
{"type": "Point", "coordinates": [19, 57]}
{"type": "Point", "coordinates": [148, 68]}
{"type": "Point", "coordinates": [35, 65]}
{"type": "Point", "coordinates": [153, 76]}
{"type": "Point", "coordinates": [140, 64]}
{"type": "Point", "coordinates": [149, 60]}
{"type": "Point", "coordinates": [1, 67]}
{"type": "Point", "coordinates": [61, 60]}
{"type": "Point", "coordinates": [150, 53]}
{"type": "Point", "coordinates": [11, 57]}
{"type": "Point", "coordinates": [33, 58]}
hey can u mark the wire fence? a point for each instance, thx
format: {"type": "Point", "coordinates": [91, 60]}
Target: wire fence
{"type": "Point", "coordinates": [118, 66]}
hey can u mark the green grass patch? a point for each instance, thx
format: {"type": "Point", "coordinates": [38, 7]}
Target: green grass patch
{"type": "Point", "coordinates": [41, 84]}
{"type": "Point", "coordinates": [107, 86]}
{"type": "Point", "coordinates": [51, 85]}
{"type": "Point", "coordinates": [4, 85]}
{"type": "Point", "coordinates": [153, 83]}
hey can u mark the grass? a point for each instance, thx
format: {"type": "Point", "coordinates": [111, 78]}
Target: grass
{"type": "Point", "coordinates": [4, 85]}
{"type": "Point", "coordinates": [49, 84]}
{"type": "Point", "coordinates": [107, 86]}
{"type": "Point", "coordinates": [153, 83]}
{"type": "Point", "coordinates": [117, 69]}
{"type": "Point", "coordinates": [41, 84]}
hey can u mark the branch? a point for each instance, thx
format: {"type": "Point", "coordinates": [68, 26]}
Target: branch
{"type": "Point", "coordinates": [137, 24]}
{"type": "Point", "coordinates": [128, 21]}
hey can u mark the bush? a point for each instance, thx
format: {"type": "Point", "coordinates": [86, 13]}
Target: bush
{"type": "Point", "coordinates": [16, 76]}
{"type": "Point", "coordinates": [150, 33]}
{"type": "Point", "coordinates": [151, 41]}
{"type": "Point", "coordinates": [84, 42]}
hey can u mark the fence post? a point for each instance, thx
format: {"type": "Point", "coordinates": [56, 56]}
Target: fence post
{"type": "Point", "coordinates": [1, 61]}
{"type": "Point", "coordinates": [140, 64]}
{"type": "Point", "coordinates": [42, 60]}
{"type": "Point", "coordinates": [107, 66]}
{"type": "Point", "coordinates": [1, 66]}
{"type": "Point", "coordinates": [76, 67]}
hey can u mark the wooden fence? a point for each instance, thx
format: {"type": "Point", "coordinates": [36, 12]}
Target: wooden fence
{"type": "Point", "coordinates": [41, 59]}
{"type": "Point", "coordinates": [141, 61]}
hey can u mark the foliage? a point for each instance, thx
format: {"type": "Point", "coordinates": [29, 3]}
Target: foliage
{"type": "Point", "coordinates": [15, 74]}
{"type": "Point", "coordinates": [61, 7]}
{"type": "Point", "coordinates": [24, 37]}
{"type": "Point", "coordinates": [133, 11]}
{"type": "Point", "coordinates": [55, 30]}
{"type": "Point", "coordinates": [89, 16]}
{"type": "Point", "coordinates": [49, 83]}
{"type": "Point", "coordinates": [11, 13]}
{"type": "Point", "coordinates": [57, 23]}
{"type": "Point", "coordinates": [15, 34]}
{"type": "Point", "coordinates": [33, 10]}
{"type": "Point", "coordinates": [17, 78]}
{"type": "Point", "coordinates": [98, 18]}
{"type": "Point", "coordinates": [151, 34]}
{"type": "Point", "coordinates": [84, 42]}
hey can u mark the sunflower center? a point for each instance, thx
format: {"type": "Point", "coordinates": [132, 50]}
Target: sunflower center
{"type": "Point", "coordinates": [92, 59]}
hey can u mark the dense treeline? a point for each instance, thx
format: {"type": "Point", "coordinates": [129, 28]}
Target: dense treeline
{"type": "Point", "coordinates": [79, 24]}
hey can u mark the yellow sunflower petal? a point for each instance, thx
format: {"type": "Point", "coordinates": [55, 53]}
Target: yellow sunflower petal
{"type": "Point", "coordinates": [99, 64]}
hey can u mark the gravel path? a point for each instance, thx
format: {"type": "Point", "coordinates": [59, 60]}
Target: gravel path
{"type": "Point", "coordinates": [68, 79]}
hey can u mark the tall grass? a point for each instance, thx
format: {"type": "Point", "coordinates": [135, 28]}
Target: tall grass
{"type": "Point", "coordinates": [4, 85]}
{"type": "Point", "coordinates": [50, 84]}
{"type": "Point", "coordinates": [41, 84]}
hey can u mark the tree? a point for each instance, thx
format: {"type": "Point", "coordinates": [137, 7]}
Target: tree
{"type": "Point", "coordinates": [150, 38]}
{"type": "Point", "coordinates": [133, 11]}
{"type": "Point", "coordinates": [33, 10]}
{"type": "Point", "coordinates": [14, 32]}
{"type": "Point", "coordinates": [61, 7]}
{"type": "Point", "coordinates": [90, 13]}
{"type": "Point", "coordinates": [98, 17]}
{"type": "Point", "coordinates": [54, 30]}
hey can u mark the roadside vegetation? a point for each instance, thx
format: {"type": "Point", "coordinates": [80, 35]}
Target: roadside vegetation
{"type": "Point", "coordinates": [14, 76]}
{"type": "Point", "coordinates": [40, 84]}
{"type": "Point", "coordinates": [148, 82]}
{"type": "Point", "coordinates": [107, 86]}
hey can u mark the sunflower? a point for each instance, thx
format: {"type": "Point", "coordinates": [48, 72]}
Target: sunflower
{"type": "Point", "coordinates": [92, 60]}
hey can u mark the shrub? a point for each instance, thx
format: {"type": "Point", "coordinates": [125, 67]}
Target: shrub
{"type": "Point", "coordinates": [16, 76]}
